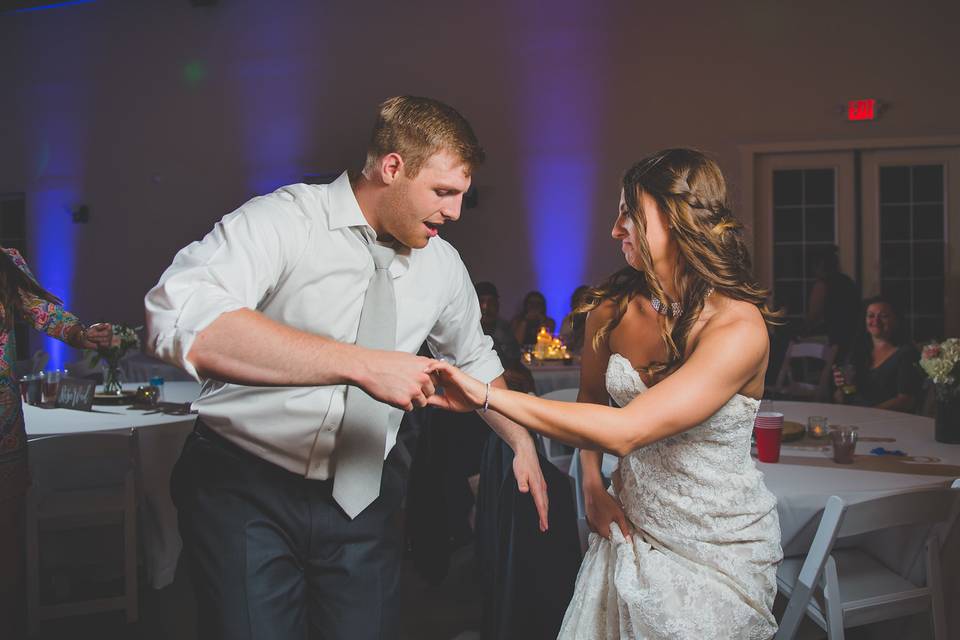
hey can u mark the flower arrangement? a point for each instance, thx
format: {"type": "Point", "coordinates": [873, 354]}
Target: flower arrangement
{"type": "Point", "coordinates": [941, 362]}
{"type": "Point", "coordinates": [124, 339]}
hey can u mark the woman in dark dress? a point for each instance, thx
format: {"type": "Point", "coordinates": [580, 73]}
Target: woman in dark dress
{"type": "Point", "coordinates": [883, 362]}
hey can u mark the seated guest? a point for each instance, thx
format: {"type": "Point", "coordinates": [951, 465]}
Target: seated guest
{"type": "Point", "coordinates": [883, 363]}
{"type": "Point", "coordinates": [572, 327]}
{"type": "Point", "coordinates": [832, 307]}
{"type": "Point", "coordinates": [532, 316]}
{"type": "Point", "coordinates": [517, 376]}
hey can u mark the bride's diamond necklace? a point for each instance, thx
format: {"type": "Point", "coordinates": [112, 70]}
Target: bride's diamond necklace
{"type": "Point", "coordinates": [674, 309]}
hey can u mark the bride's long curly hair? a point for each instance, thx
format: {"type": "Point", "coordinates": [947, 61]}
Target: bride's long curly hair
{"type": "Point", "coordinates": [690, 191]}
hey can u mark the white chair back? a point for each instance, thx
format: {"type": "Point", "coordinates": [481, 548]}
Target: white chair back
{"type": "Point", "coordinates": [559, 454]}
{"type": "Point", "coordinates": [80, 481]}
{"type": "Point", "coordinates": [841, 520]}
{"type": "Point", "coordinates": [789, 386]}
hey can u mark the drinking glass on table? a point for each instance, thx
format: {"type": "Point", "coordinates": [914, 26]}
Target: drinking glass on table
{"type": "Point", "coordinates": [50, 385]}
{"type": "Point", "coordinates": [844, 440]}
{"type": "Point", "coordinates": [30, 388]}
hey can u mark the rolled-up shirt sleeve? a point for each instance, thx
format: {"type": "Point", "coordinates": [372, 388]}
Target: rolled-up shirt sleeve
{"type": "Point", "coordinates": [457, 336]}
{"type": "Point", "coordinates": [236, 266]}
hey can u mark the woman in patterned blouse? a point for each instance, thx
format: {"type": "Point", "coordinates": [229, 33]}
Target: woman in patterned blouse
{"type": "Point", "coordinates": [21, 296]}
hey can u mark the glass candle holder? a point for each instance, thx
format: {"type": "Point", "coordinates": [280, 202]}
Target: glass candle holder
{"type": "Point", "coordinates": [817, 427]}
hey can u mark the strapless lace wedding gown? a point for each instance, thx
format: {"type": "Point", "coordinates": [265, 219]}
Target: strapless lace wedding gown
{"type": "Point", "coordinates": [701, 561]}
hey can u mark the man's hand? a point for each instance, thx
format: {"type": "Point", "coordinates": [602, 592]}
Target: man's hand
{"type": "Point", "coordinates": [602, 509]}
{"type": "Point", "coordinates": [526, 468]}
{"type": "Point", "coordinates": [399, 379]}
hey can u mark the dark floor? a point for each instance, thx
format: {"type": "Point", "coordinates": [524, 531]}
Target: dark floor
{"type": "Point", "coordinates": [450, 610]}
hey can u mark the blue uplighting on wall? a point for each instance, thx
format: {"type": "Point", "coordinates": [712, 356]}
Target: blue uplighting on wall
{"type": "Point", "coordinates": [56, 113]}
{"type": "Point", "coordinates": [53, 237]}
{"type": "Point", "coordinates": [271, 105]}
{"type": "Point", "coordinates": [560, 103]}
{"type": "Point", "coordinates": [559, 195]}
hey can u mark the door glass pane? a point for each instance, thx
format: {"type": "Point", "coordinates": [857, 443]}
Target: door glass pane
{"type": "Point", "coordinates": [894, 185]}
{"type": "Point", "coordinates": [819, 224]}
{"type": "Point", "coordinates": [788, 262]}
{"type": "Point", "coordinates": [894, 222]}
{"type": "Point", "coordinates": [788, 224]}
{"type": "Point", "coordinates": [928, 222]}
{"type": "Point", "coordinates": [787, 188]}
{"type": "Point", "coordinates": [818, 186]}
{"type": "Point", "coordinates": [895, 262]}
{"type": "Point", "coordinates": [928, 183]}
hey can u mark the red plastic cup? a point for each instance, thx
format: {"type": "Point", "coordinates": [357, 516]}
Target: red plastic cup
{"type": "Point", "coordinates": [767, 430]}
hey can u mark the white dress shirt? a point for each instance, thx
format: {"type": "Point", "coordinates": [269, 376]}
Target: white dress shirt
{"type": "Point", "coordinates": [297, 256]}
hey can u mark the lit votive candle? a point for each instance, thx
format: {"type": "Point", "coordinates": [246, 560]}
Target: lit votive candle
{"type": "Point", "coordinates": [817, 427]}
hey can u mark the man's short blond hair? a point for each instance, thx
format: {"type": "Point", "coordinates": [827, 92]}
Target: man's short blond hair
{"type": "Point", "coordinates": [417, 128]}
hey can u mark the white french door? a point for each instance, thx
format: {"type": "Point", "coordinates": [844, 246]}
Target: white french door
{"type": "Point", "coordinates": [911, 235]}
{"type": "Point", "coordinates": [804, 205]}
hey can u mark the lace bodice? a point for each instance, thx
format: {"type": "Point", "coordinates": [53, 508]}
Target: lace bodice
{"type": "Point", "coordinates": [708, 465]}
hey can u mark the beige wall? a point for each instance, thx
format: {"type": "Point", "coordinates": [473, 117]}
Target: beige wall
{"type": "Point", "coordinates": [96, 102]}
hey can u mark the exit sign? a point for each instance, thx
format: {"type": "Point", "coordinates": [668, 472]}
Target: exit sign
{"type": "Point", "coordinates": [862, 110]}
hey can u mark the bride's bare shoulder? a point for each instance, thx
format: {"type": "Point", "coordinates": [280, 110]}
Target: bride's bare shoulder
{"type": "Point", "coordinates": [602, 313]}
{"type": "Point", "coordinates": [729, 314]}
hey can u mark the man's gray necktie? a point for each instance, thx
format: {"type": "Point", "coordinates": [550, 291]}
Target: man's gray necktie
{"type": "Point", "coordinates": [363, 433]}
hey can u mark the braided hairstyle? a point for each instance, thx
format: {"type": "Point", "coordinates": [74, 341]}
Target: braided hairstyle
{"type": "Point", "coordinates": [691, 193]}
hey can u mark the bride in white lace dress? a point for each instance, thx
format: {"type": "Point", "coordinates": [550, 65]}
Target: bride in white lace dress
{"type": "Point", "coordinates": [687, 539]}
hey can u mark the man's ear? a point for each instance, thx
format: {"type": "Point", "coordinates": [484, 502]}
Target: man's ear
{"type": "Point", "coordinates": [390, 166]}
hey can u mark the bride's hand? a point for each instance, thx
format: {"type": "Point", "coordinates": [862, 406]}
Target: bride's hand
{"type": "Point", "coordinates": [459, 393]}
{"type": "Point", "coordinates": [602, 509]}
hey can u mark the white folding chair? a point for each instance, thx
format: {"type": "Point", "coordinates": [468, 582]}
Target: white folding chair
{"type": "Point", "coordinates": [789, 385]}
{"type": "Point", "coordinates": [559, 454]}
{"type": "Point", "coordinates": [82, 481]}
{"type": "Point", "coordinates": [576, 472]}
{"type": "Point", "coordinates": [843, 588]}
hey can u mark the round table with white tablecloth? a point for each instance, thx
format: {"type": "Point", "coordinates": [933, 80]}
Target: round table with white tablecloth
{"type": "Point", "coordinates": [160, 438]}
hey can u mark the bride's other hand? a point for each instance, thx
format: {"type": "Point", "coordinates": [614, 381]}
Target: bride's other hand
{"type": "Point", "coordinates": [602, 509]}
{"type": "Point", "coordinates": [460, 392]}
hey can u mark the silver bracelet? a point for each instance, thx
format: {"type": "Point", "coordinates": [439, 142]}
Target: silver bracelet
{"type": "Point", "coordinates": [486, 400]}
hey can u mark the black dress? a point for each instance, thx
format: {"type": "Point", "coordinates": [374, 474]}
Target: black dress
{"type": "Point", "coordinates": [897, 374]}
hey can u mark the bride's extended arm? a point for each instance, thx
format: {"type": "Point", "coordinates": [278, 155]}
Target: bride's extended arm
{"type": "Point", "coordinates": [726, 358]}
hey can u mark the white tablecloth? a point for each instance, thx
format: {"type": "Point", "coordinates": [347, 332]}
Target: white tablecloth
{"type": "Point", "coordinates": [161, 438]}
{"type": "Point", "coordinates": [550, 377]}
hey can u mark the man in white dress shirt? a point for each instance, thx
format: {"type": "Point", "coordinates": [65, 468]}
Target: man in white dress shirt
{"type": "Point", "coordinates": [265, 312]}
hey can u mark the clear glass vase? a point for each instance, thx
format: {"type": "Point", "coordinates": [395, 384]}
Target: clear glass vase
{"type": "Point", "coordinates": [111, 379]}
